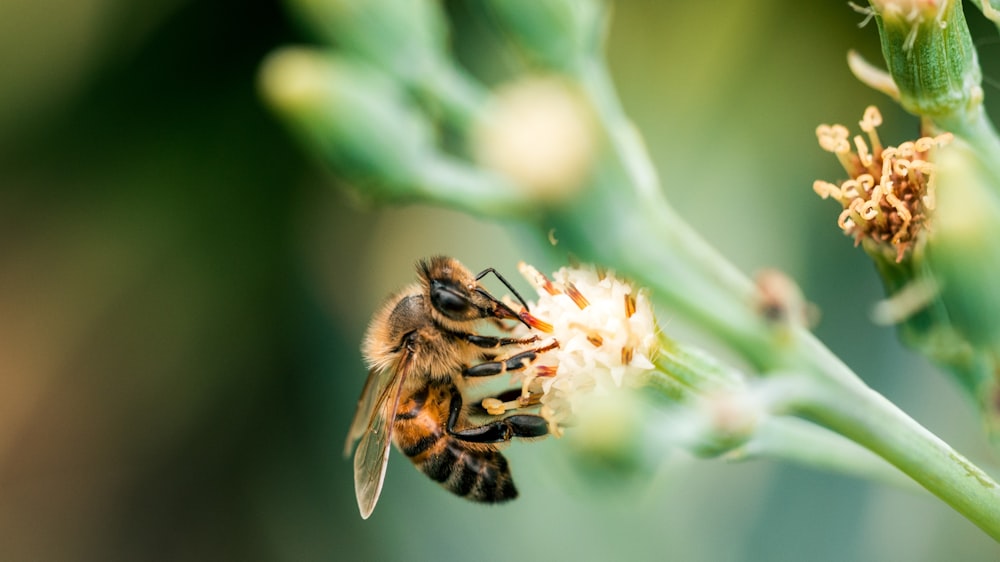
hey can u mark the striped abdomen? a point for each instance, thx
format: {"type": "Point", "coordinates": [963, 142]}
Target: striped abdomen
{"type": "Point", "coordinates": [472, 470]}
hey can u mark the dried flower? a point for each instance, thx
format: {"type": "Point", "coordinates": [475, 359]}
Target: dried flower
{"type": "Point", "coordinates": [891, 190]}
{"type": "Point", "coordinates": [606, 333]}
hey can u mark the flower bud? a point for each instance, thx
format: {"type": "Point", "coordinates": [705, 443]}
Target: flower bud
{"type": "Point", "coordinates": [357, 117]}
{"type": "Point", "coordinates": [930, 55]}
{"type": "Point", "coordinates": [964, 250]}
{"type": "Point", "coordinates": [556, 33]}
{"type": "Point", "coordinates": [540, 133]}
{"type": "Point", "coordinates": [403, 37]}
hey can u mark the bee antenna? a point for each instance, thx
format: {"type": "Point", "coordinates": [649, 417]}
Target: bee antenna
{"type": "Point", "coordinates": [489, 270]}
{"type": "Point", "coordinates": [500, 303]}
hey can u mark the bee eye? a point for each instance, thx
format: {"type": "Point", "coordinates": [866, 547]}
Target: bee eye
{"type": "Point", "coordinates": [447, 300]}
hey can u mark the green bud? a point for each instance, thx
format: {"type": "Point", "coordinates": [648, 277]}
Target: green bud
{"type": "Point", "coordinates": [930, 55]}
{"type": "Point", "coordinates": [556, 33]}
{"type": "Point", "coordinates": [403, 37]}
{"type": "Point", "coordinates": [357, 117]}
{"type": "Point", "coordinates": [608, 442]}
{"type": "Point", "coordinates": [407, 39]}
{"type": "Point", "coordinates": [964, 250]}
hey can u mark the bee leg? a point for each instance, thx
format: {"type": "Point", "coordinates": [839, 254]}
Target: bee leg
{"type": "Point", "coordinates": [515, 362]}
{"type": "Point", "coordinates": [508, 395]}
{"type": "Point", "coordinates": [491, 342]}
{"type": "Point", "coordinates": [518, 425]}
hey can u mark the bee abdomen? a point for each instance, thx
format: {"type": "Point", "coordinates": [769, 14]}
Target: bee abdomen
{"type": "Point", "coordinates": [482, 476]}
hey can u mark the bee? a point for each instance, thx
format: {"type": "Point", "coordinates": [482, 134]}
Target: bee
{"type": "Point", "coordinates": [419, 347]}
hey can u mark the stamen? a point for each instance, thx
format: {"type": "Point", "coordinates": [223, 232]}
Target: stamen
{"type": "Point", "coordinates": [923, 144]}
{"type": "Point", "coordinates": [629, 305]}
{"type": "Point", "coordinates": [532, 399]}
{"type": "Point", "coordinates": [826, 189]}
{"type": "Point", "coordinates": [900, 207]}
{"type": "Point", "coordinates": [578, 298]}
{"type": "Point", "coordinates": [538, 278]}
{"type": "Point", "coordinates": [842, 221]}
{"type": "Point", "coordinates": [595, 339]}
{"type": "Point", "coordinates": [867, 182]}
{"type": "Point", "coordinates": [627, 353]}
{"type": "Point", "coordinates": [872, 119]}
{"type": "Point", "coordinates": [863, 155]}
{"type": "Point", "coordinates": [869, 210]}
{"type": "Point", "coordinates": [546, 370]}
{"type": "Point", "coordinates": [833, 138]}
{"type": "Point", "coordinates": [535, 322]}
{"type": "Point", "coordinates": [850, 189]}
{"type": "Point", "coordinates": [906, 149]}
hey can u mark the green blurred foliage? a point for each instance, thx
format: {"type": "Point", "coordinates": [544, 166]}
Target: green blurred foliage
{"type": "Point", "coordinates": [183, 292]}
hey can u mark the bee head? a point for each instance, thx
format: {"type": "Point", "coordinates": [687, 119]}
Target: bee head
{"type": "Point", "coordinates": [455, 293]}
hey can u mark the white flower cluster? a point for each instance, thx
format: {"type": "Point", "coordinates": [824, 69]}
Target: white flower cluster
{"type": "Point", "coordinates": [606, 333]}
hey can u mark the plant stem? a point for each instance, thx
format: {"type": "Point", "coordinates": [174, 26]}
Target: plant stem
{"type": "Point", "coordinates": [652, 244]}
{"type": "Point", "coordinates": [796, 440]}
{"type": "Point", "coordinates": [845, 405]}
{"type": "Point", "coordinates": [977, 129]}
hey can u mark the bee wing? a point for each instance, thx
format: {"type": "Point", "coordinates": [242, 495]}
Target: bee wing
{"type": "Point", "coordinates": [373, 421]}
{"type": "Point", "coordinates": [364, 411]}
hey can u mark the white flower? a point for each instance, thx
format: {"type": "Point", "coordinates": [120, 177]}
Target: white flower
{"type": "Point", "coordinates": [606, 333]}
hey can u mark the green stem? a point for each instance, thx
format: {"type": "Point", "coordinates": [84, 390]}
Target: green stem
{"type": "Point", "coordinates": [652, 244]}
{"type": "Point", "coordinates": [869, 419]}
{"type": "Point", "coordinates": [796, 440]}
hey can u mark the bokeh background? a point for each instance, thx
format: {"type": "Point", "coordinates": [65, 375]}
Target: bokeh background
{"type": "Point", "coordinates": [183, 290]}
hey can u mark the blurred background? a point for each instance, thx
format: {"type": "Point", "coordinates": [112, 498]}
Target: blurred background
{"type": "Point", "coordinates": [183, 291]}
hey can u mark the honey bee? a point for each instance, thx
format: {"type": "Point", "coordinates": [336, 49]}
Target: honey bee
{"type": "Point", "coordinates": [419, 347]}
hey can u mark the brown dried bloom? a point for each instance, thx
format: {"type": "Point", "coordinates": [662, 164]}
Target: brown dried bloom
{"type": "Point", "coordinates": [890, 191]}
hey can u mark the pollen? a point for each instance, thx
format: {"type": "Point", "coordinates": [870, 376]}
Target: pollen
{"type": "Point", "coordinates": [493, 406]}
{"type": "Point", "coordinates": [890, 189]}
